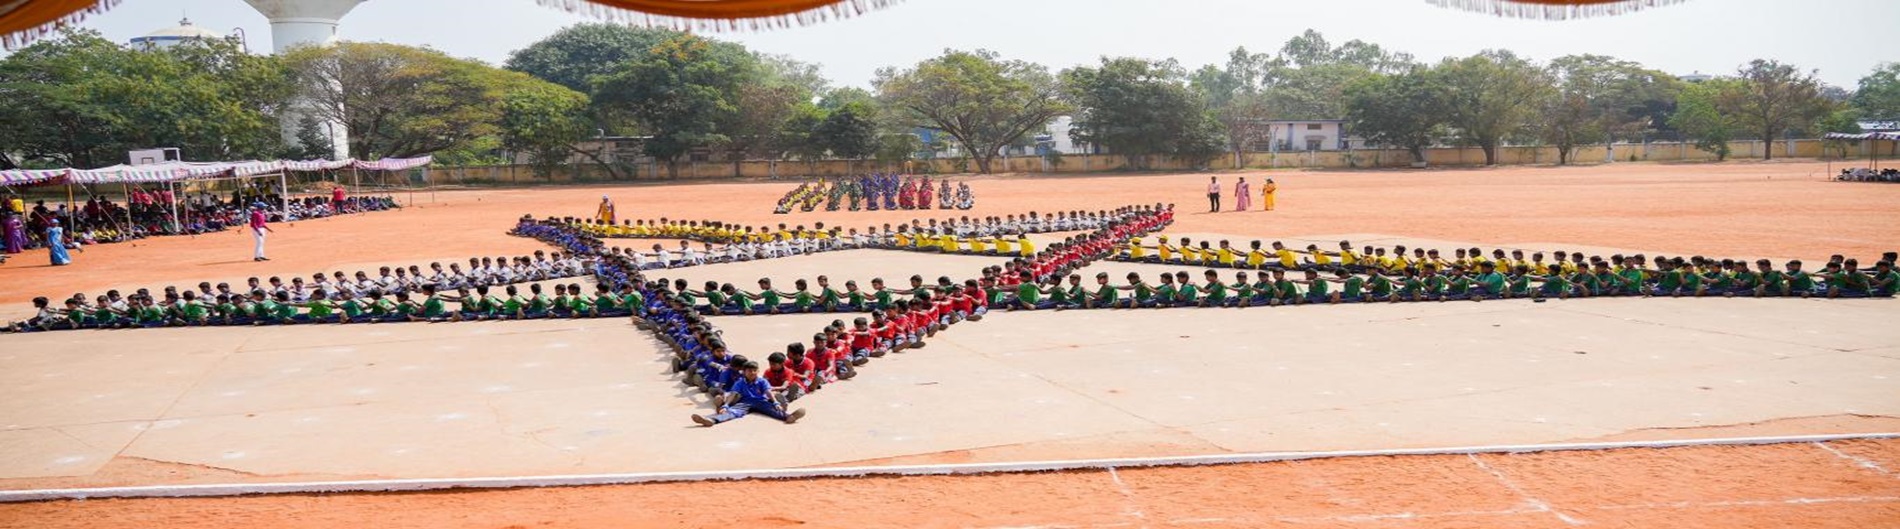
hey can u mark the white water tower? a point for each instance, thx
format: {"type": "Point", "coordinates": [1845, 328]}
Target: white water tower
{"type": "Point", "coordinates": [306, 22]}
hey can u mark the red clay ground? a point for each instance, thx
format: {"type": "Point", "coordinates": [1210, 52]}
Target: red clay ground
{"type": "Point", "coordinates": [1812, 485]}
{"type": "Point", "coordinates": [1767, 209]}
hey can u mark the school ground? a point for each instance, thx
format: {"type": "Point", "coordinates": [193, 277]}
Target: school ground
{"type": "Point", "coordinates": [566, 397]}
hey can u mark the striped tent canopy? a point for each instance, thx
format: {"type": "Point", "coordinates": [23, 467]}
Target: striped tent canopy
{"type": "Point", "coordinates": [31, 177]}
{"type": "Point", "coordinates": [177, 171]}
{"type": "Point", "coordinates": [1889, 136]}
{"type": "Point", "coordinates": [317, 165]}
{"type": "Point", "coordinates": [126, 174]}
{"type": "Point", "coordinates": [395, 164]}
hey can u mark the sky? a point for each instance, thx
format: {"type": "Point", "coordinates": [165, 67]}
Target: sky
{"type": "Point", "coordinates": [1839, 38]}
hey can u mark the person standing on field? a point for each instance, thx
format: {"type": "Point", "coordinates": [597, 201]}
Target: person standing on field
{"type": "Point", "coordinates": [259, 226]}
{"type": "Point", "coordinates": [1243, 195]}
{"type": "Point", "coordinates": [1266, 195]}
{"type": "Point", "coordinates": [1213, 194]}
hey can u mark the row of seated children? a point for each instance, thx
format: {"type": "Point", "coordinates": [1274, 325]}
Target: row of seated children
{"type": "Point", "coordinates": [835, 353]}
{"type": "Point", "coordinates": [396, 280]}
{"type": "Point", "coordinates": [1430, 283]}
{"type": "Point", "coordinates": [1019, 244]}
{"type": "Point", "coordinates": [142, 310]}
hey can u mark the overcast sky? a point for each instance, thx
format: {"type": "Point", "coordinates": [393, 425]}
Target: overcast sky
{"type": "Point", "coordinates": [1843, 39]}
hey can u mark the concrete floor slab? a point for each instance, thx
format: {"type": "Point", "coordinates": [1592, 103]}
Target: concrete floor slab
{"type": "Point", "coordinates": [587, 396]}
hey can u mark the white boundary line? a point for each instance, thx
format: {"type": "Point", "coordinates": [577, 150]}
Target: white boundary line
{"type": "Point", "coordinates": [406, 485]}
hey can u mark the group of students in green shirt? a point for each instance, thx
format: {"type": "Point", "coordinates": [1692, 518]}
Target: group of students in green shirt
{"type": "Point", "coordinates": [1672, 277]}
{"type": "Point", "coordinates": [142, 310]}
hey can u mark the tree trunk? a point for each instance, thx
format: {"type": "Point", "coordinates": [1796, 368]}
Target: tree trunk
{"type": "Point", "coordinates": [1418, 153]}
{"type": "Point", "coordinates": [672, 169]}
{"type": "Point", "coordinates": [983, 163]}
{"type": "Point", "coordinates": [1490, 153]}
{"type": "Point", "coordinates": [1563, 155]}
{"type": "Point", "coordinates": [736, 171]}
{"type": "Point", "coordinates": [1768, 145]}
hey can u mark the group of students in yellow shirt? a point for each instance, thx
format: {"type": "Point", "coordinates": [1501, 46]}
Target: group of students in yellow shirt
{"type": "Point", "coordinates": [704, 231]}
{"type": "Point", "coordinates": [1224, 254]}
{"type": "Point", "coordinates": [1017, 245]}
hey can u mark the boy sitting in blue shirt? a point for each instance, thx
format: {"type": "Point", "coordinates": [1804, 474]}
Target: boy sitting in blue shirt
{"type": "Point", "coordinates": [750, 393]}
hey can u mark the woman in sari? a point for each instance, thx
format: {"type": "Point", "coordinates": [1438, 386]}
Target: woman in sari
{"type": "Point", "coordinates": [56, 244]}
{"type": "Point", "coordinates": [1266, 195]}
{"type": "Point", "coordinates": [16, 233]}
{"type": "Point", "coordinates": [1243, 195]}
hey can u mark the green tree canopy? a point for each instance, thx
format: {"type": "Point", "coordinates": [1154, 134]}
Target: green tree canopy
{"type": "Point", "coordinates": [1777, 98]}
{"type": "Point", "coordinates": [681, 95]}
{"type": "Point", "coordinates": [1488, 96]}
{"type": "Point", "coordinates": [1405, 110]}
{"type": "Point", "coordinates": [546, 121]}
{"type": "Point", "coordinates": [401, 101]}
{"type": "Point", "coordinates": [1138, 108]}
{"type": "Point", "coordinates": [984, 102]}
{"type": "Point", "coordinates": [575, 55]}
{"type": "Point", "coordinates": [1597, 98]}
{"type": "Point", "coordinates": [1878, 97]}
{"type": "Point", "coordinates": [80, 100]}
{"type": "Point", "coordinates": [1699, 116]}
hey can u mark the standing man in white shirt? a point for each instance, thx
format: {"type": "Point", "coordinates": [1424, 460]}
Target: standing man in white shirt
{"type": "Point", "coordinates": [1213, 194]}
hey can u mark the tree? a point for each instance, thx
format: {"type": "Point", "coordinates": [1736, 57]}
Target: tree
{"type": "Point", "coordinates": [804, 75]}
{"type": "Point", "coordinates": [1138, 108]}
{"type": "Point", "coordinates": [1596, 98]}
{"type": "Point", "coordinates": [850, 131]}
{"type": "Point", "coordinates": [1487, 95]}
{"type": "Point", "coordinates": [1878, 97]}
{"type": "Point", "coordinates": [984, 102]}
{"type": "Point", "coordinates": [80, 100]}
{"type": "Point", "coordinates": [681, 94]}
{"type": "Point", "coordinates": [1775, 98]}
{"type": "Point", "coordinates": [1309, 77]}
{"type": "Point", "coordinates": [402, 101]}
{"type": "Point", "coordinates": [575, 55]}
{"type": "Point", "coordinates": [547, 122]}
{"type": "Point", "coordinates": [1405, 110]}
{"type": "Point", "coordinates": [764, 109]}
{"type": "Point", "coordinates": [1697, 115]}
{"type": "Point", "coordinates": [1234, 96]}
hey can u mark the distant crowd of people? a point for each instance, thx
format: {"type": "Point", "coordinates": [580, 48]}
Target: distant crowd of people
{"type": "Point", "coordinates": [150, 213]}
{"type": "Point", "coordinates": [1863, 174]}
{"type": "Point", "coordinates": [877, 191]}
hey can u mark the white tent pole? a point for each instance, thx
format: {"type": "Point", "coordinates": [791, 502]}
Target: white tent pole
{"type": "Point", "coordinates": [171, 190]}
{"type": "Point", "coordinates": [123, 188]}
{"type": "Point", "coordinates": [283, 193]}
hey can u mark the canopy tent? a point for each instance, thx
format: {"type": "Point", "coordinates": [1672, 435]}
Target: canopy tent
{"type": "Point", "coordinates": [174, 174]}
{"type": "Point", "coordinates": [185, 171]}
{"type": "Point", "coordinates": [30, 177]}
{"type": "Point", "coordinates": [1873, 152]}
{"type": "Point", "coordinates": [1889, 136]}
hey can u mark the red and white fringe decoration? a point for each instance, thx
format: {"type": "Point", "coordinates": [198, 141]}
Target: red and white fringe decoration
{"type": "Point", "coordinates": [837, 11]}
{"type": "Point", "coordinates": [1553, 11]}
{"type": "Point", "coordinates": [19, 39]}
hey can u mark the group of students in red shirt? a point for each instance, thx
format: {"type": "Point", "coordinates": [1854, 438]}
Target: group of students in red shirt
{"type": "Point", "coordinates": [836, 351]}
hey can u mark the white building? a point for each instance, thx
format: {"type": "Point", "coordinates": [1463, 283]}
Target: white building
{"type": "Point", "coordinates": [1295, 135]}
{"type": "Point", "coordinates": [172, 36]}
{"type": "Point", "coordinates": [1058, 139]}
